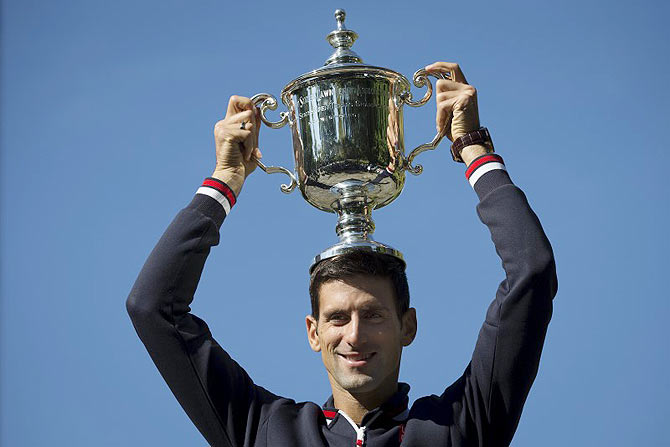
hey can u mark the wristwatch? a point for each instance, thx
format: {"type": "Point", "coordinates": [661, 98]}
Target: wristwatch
{"type": "Point", "coordinates": [479, 136]}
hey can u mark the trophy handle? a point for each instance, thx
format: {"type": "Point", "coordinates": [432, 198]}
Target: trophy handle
{"type": "Point", "coordinates": [266, 102]}
{"type": "Point", "coordinates": [420, 79]}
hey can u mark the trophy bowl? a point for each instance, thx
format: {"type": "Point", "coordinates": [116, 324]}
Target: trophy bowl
{"type": "Point", "coordinates": [346, 120]}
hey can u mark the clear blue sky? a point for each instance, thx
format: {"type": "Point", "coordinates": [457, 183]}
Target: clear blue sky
{"type": "Point", "coordinates": [107, 111]}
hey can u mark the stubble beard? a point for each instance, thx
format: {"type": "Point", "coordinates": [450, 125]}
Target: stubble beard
{"type": "Point", "coordinates": [353, 382]}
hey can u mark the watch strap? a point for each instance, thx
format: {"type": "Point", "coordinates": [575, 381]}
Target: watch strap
{"type": "Point", "coordinates": [480, 136]}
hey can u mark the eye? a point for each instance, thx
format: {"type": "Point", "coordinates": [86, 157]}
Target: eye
{"type": "Point", "coordinates": [338, 318]}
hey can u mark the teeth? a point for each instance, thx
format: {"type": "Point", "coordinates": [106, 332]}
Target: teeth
{"type": "Point", "coordinates": [358, 357]}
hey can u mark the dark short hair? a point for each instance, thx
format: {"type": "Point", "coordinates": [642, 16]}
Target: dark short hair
{"type": "Point", "coordinates": [360, 262]}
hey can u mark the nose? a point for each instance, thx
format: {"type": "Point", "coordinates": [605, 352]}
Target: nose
{"type": "Point", "coordinates": [354, 333]}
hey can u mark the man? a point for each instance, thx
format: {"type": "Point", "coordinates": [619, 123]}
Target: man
{"type": "Point", "coordinates": [360, 318]}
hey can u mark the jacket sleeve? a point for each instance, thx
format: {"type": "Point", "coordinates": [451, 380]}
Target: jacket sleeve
{"type": "Point", "coordinates": [216, 393]}
{"type": "Point", "coordinates": [505, 361]}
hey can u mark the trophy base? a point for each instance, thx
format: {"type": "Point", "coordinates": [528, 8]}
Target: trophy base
{"type": "Point", "coordinates": [349, 246]}
{"type": "Point", "coordinates": [354, 223]}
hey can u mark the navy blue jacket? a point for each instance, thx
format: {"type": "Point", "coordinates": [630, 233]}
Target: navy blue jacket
{"type": "Point", "coordinates": [482, 408]}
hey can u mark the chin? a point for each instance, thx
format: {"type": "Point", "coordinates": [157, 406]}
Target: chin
{"type": "Point", "coordinates": [358, 383]}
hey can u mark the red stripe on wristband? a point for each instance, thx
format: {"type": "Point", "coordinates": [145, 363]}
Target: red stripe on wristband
{"type": "Point", "coordinates": [222, 188]}
{"type": "Point", "coordinates": [481, 161]}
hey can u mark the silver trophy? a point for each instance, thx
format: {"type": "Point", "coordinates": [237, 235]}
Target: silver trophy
{"type": "Point", "coordinates": [347, 126]}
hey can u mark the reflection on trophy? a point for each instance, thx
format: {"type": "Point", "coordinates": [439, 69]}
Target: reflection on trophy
{"type": "Point", "coordinates": [347, 126]}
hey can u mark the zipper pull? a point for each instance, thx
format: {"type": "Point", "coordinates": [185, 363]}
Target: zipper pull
{"type": "Point", "coordinates": [360, 436]}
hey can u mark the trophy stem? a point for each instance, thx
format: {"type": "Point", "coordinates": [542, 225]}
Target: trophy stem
{"type": "Point", "coordinates": [355, 219]}
{"type": "Point", "coordinates": [354, 224]}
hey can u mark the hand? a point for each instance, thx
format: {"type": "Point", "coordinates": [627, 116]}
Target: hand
{"type": "Point", "coordinates": [457, 108]}
{"type": "Point", "coordinates": [234, 145]}
{"type": "Point", "coordinates": [456, 102]}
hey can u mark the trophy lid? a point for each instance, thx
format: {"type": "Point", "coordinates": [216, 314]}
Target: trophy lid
{"type": "Point", "coordinates": [342, 39]}
{"type": "Point", "coordinates": [343, 61]}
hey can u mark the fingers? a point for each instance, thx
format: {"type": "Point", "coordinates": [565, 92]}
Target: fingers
{"type": "Point", "coordinates": [458, 115]}
{"type": "Point", "coordinates": [241, 109]}
{"type": "Point", "coordinates": [238, 104]}
{"type": "Point", "coordinates": [449, 94]}
{"type": "Point", "coordinates": [232, 123]}
{"type": "Point", "coordinates": [240, 130]}
{"type": "Point", "coordinates": [448, 66]}
{"type": "Point", "coordinates": [445, 85]}
{"type": "Point", "coordinates": [250, 115]}
{"type": "Point", "coordinates": [246, 116]}
{"type": "Point", "coordinates": [444, 111]}
{"type": "Point", "coordinates": [248, 144]}
{"type": "Point", "coordinates": [243, 136]}
{"type": "Point", "coordinates": [234, 133]}
{"type": "Point", "coordinates": [457, 111]}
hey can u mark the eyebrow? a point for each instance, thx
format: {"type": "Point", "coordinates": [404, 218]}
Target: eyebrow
{"type": "Point", "coordinates": [374, 307]}
{"type": "Point", "coordinates": [365, 308]}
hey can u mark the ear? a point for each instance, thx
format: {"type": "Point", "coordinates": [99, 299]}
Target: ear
{"type": "Point", "coordinates": [312, 333]}
{"type": "Point", "coordinates": [409, 326]}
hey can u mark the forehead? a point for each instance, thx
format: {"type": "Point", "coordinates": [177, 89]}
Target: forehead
{"type": "Point", "coordinates": [355, 292]}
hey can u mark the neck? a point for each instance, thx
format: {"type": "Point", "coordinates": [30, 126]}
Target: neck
{"type": "Point", "coordinates": [356, 405]}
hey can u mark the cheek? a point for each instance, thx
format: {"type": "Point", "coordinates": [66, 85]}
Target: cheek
{"type": "Point", "coordinates": [329, 339]}
{"type": "Point", "coordinates": [388, 336]}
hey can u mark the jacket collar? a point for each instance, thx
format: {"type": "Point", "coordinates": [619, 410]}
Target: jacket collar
{"type": "Point", "coordinates": [394, 408]}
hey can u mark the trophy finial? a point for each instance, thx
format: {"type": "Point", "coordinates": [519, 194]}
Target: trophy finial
{"type": "Point", "coordinates": [340, 15]}
{"type": "Point", "coordinates": [342, 39]}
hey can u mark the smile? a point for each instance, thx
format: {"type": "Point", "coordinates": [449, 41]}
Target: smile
{"type": "Point", "coordinates": [357, 359]}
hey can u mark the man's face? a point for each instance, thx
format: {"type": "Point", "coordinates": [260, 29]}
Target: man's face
{"type": "Point", "coordinates": [359, 334]}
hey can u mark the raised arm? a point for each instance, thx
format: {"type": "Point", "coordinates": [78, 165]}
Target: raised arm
{"type": "Point", "coordinates": [214, 390]}
{"type": "Point", "coordinates": [507, 354]}
{"type": "Point", "coordinates": [486, 403]}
